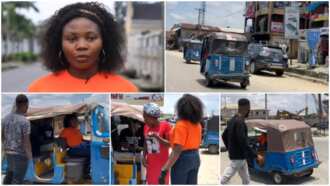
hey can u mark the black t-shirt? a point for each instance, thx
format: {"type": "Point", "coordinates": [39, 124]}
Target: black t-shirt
{"type": "Point", "coordinates": [126, 136]}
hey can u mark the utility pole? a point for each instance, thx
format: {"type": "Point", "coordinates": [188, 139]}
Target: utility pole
{"type": "Point", "coordinates": [266, 106]}
{"type": "Point", "coordinates": [201, 13]}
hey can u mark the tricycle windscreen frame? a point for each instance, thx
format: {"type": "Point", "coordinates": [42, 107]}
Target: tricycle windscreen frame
{"type": "Point", "coordinates": [229, 47]}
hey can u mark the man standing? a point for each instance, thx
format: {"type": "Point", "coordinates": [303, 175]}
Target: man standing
{"type": "Point", "coordinates": [16, 141]}
{"type": "Point", "coordinates": [156, 146]}
{"type": "Point", "coordinates": [236, 141]}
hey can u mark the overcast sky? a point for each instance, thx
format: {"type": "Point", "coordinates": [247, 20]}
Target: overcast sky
{"type": "Point", "coordinates": [45, 100]}
{"type": "Point", "coordinates": [289, 102]}
{"type": "Point", "coordinates": [220, 14]}
{"type": "Point", "coordinates": [48, 7]}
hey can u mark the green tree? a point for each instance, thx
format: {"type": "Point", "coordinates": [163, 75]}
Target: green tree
{"type": "Point", "coordinates": [16, 26]}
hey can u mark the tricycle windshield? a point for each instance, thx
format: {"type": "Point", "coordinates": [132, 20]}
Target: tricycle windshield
{"type": "Point", "coordinates": [300, 139]}
{"type": "Point", "coordinates": [195, 45]}
{"type": "Point", "coordinates": [220, 46]}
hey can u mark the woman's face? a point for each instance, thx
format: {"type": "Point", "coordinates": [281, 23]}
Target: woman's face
{"type": "Point", "coordinates": [82, 43]}
{"type": "Point", "coordinates": [74, 123]}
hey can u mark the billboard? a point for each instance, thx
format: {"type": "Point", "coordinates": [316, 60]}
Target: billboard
{"type": "Point", "coordinates": [291, 22]}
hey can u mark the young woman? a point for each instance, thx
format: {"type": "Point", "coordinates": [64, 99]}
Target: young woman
{"type": "Point", "coordinates": [185, 138]}
{"type": "Point", "coordinates": [156, 149]}
{"type": "Point", "coordinates": [74, 138]}
{"type": "Point", "coordinates": [83, 48]}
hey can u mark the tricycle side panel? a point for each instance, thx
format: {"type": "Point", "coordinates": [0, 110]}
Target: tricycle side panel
{"type": "Point", "coordinates": [289, 163]}
{"type": "Point", "coordinates": [211, 138]}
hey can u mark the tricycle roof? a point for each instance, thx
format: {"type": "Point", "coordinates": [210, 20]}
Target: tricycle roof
{"type": "Point", "coordinates": [130, 111]}
{"type": "Point", "coordinates": [54, 111]}
{"type": "Point", "coordinates": [279, 125]}
{"type": "Point", "coordinates": [284, 135]}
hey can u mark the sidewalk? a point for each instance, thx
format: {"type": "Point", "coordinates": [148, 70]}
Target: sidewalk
{"type": "Point", "coordinates": [318, 74]}
{"type": "Point", "coordinates": [14, 64]}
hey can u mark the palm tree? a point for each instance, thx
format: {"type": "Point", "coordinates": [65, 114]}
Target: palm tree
{"type": "Point", "coordinates": [15, 26]}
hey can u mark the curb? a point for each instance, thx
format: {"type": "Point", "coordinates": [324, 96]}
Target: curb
{"type": "Point", "coordinates": [8, 67]}
{"type": "Point", "coordinates": [306, 77]}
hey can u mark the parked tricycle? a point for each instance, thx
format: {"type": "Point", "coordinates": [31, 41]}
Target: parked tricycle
{"type": "Point", "coordinates": [192, 50]}
{"type": "Point", "coordinates": [211, 134]}
{"type": "Point", "coordinates": [126, 159]}
{"type": "Point", "coordinates": [51, 164]}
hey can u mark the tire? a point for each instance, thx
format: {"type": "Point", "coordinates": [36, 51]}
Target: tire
{"type": "Point", "coordinates": [253, 68]}
{"type": "Point", "coordinates": [310, 173]}
{"type": "Point", "coordinates": [213, 149]}
{"type": "Point", "coordinates": [209, 82]}
{"type": "Point", "coordinates": [244, 84]}
{"type": "Point", "coordinates": [278, 178]}
{"type": "Point", "coordinates": [279, 72]}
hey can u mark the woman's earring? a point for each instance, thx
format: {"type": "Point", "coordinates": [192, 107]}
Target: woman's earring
{"type": "Point", "coordinates": [103, 56]}
{"type": "Point", "coordinates": [60, 57]}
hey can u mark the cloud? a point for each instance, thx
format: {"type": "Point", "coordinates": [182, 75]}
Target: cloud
{"type": "Point", "coordinates": [177, 17]}
{"type": "Point", "coordinates": [220, 14]}
{"type": "Point", "coordinates": [289, 102]}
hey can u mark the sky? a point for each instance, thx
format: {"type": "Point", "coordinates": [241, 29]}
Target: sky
{"type": "Point", "coordinates": [210, 101]}
{"type": "Point", "coordinates": [289, 102]}
{"type": "Point", "coordinates": [44, 100]}
{"type": "Point", "coordinates": [220, 14]}
{"type": "Point", "coordinates": [47, 8]}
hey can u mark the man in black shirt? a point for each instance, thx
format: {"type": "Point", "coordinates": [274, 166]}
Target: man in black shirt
{"type": "Point", "coordinates": [235, 138]}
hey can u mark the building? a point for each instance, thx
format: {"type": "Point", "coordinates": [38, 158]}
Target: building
{"type": "Point", "coordinates": [230, 110]}
{"type": "Point", "coordinates": [185, 31]}
{"type": "Point", "coordinates": [143, 25]}
{"type": "Point", "coordinates": [267, 23]}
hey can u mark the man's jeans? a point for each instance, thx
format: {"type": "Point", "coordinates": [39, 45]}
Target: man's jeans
{"type": "Point", "coordinates": [17, 166]}
{"type": "Point", "coordinates": [239, 166]}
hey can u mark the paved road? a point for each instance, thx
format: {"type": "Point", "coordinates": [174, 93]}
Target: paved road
{"type": "Point", "coordinates": [182, 77]}
{"type": "Point", "coordinates": [319, 177]}
{"type": "Point", "coordinates": [18, 79]}
{"type": "Point", "coordinates": [209, 170]}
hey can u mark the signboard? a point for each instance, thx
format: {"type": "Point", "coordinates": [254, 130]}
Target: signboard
{"type": "Point", "coordinates": [291, 23]}
{"type": "Point", "coordinates": [250, 10]}
{"type": "Point", "coordinates": [313, 37]}
{"type": "Point", "coordinates": [277, 27]}
{"type": "Point", "coordinates": [138, 99]}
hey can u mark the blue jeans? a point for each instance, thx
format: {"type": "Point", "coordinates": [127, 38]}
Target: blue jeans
{"type": "Point", "coordinates": [82, 150]}
{"type": "Point", "coordinates": [17, 166]}
{"type": "Point", "coordinates": [185, 169]}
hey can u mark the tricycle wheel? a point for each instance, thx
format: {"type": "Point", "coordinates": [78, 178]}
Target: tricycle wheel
{"type": "Point", "coordinates": [278, 178]}
{"type": "Point", "coordinates": [213, 149]}
{"type": "Point", "coordinates": [309, 173]}
{"type": "Point", "coordinates": [244, 83]}
{"type": "Point", "coordinates": [279, 72]}
{"type": "Point", "coordinates": [209, 82]}
{"type": "Point", "coordinates": [253, 68]}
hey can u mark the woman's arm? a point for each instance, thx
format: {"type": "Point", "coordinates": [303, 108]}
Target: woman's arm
{"type": "Point", "coordinates": [176, 151]}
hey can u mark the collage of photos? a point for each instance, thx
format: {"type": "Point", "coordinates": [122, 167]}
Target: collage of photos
{"type": "Point", "coordinates": [165, 92]}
